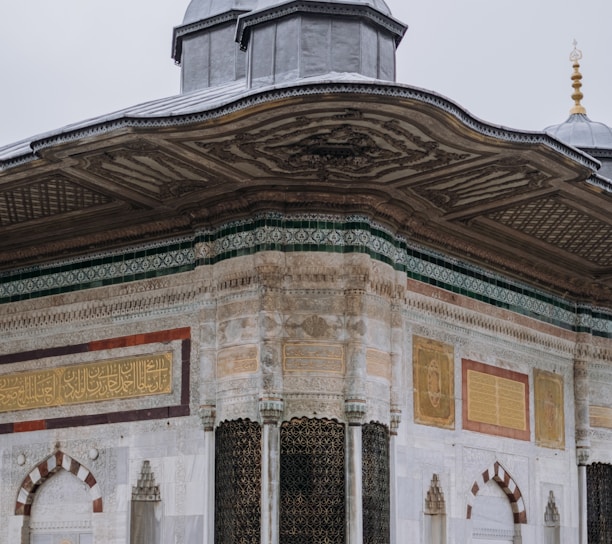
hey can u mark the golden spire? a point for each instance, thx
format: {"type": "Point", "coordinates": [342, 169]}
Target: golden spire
{"type": "Point", "coordinates": [577, 96]}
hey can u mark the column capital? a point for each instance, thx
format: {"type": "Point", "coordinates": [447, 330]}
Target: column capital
{"type": "Point", "coordinates": [583, 455]}
{"type": "Point", "coordinates": [271, 410]}
{"type": "Point", "coordinates": [208, 413]}
{"type": "Point", "coordinates": [395, 419]}
{"type": "Point", "coordinates": [355, 410]}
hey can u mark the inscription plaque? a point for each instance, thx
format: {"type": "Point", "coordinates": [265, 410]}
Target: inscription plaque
{"type": "Point", "coordinates": [495, 400]}
{"type": "Point", "coordinates": [378, 363]}
{"type": "Point", "coordinates": [434, 389]}
{"type": "Point", "coordinates": [237, 360]}
{"type": "Point", "coordinates": [112, 379]}
{"type": "Point", "coordinates": [306, 357]}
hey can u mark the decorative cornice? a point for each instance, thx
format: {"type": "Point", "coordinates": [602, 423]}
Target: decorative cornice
{"type": "Point", "coordinates": [287, 233]}
{"type": "Point", "coordinates": [181, 31]}
{"type": "Point", "coordinates": [253, 18]}
{"type": "Point", "coordinates": [258, 97]}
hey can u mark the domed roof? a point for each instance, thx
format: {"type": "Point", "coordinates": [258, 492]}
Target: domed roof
{"type": "Point", "coordinates": [203, 9]}
{"type": "Point", "coordinates": [579, 131]}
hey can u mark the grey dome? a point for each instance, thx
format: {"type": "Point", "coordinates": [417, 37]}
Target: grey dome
{"type": "Point", "coordinates": [203, 9]}
{"type": "Point", "coordinates": [579, 131]}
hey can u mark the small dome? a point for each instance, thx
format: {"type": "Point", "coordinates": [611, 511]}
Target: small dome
{"type": "Point", "coordinates": [579, 131]}
{"type": "Point", "coordinates": [203, 9]}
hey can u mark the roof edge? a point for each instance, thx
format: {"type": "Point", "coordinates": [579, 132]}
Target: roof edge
{"type": "Point", "coordinates": [126, 120]}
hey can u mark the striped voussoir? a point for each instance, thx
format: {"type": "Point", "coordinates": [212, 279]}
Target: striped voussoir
{"type": "Point", "coordinates": [48, 468]}
{"type": "Point", "coordinates": [500, 475]}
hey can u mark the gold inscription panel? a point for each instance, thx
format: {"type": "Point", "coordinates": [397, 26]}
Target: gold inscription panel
{"type": "Point", "coordinates": [600, 416]}
{"type": "Point", "coordinates": [237, 360]}
{"type": "Point", "coordinates": [378, 363]}
{"type": "Point", "coordinates": [549, 413]}
{"type": "Point", "coordinates": [91, 382]}
{"type": "Point", "coordinates": [495, 400]}
{"type": "Point", "coordinates": [434, 388]}
{"type": "Point", "coordinates": [305, 357]}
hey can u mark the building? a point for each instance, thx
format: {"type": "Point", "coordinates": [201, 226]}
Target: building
{"type": "Point", "coordinates": [302, 303]}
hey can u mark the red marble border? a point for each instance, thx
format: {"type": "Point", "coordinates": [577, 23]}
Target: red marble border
{"type": "Point", "coordinates": [182, 409]}
{"type": "Point", "coordinates": [488, 428]}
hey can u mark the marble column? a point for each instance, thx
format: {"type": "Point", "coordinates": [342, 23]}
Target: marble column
{"type": "Point", "coordinates": [355, 411]}
{"type": "Point", "coordinates": [397, 388]}
{"type": "Point", "coordinates": [271, 410]}
{"type": "Point", "coordinates": [583, 443]}
{"type": "Point", "coordinates": [208, 414]}
{"type": "Point", "coordinates": [396, 417]}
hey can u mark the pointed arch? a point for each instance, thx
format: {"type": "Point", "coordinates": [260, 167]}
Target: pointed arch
{"type": "Point", "coordinates": [43, 471]}
{"type": "Point", "coordinates": [501, 476]}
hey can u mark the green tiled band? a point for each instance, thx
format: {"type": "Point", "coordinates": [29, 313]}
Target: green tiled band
{"type": "Point", "coordinates": [307, 232]}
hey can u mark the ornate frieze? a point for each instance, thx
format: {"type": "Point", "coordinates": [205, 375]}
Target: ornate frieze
{"type": "Point", "coordinates": [290, 234]}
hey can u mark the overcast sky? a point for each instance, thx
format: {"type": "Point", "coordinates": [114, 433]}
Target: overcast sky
{"type": "Point", "coordinates": [505, 61]}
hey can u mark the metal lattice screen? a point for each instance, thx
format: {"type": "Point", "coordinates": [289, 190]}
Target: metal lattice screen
{"type": "Point", "coordinates": [237, 482]}
{"type": "Point", "coordinates": [312, 501]}
{"type": "Point", "coordinates": [375, 474]}
{"type": "Point", "coordinates": [599, 503]}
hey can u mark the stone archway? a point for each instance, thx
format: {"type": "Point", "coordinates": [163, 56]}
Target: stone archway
{"type": "Point", "coordinates": [47, 468]}
{"type": "Point", "coordinates": [506, 522]}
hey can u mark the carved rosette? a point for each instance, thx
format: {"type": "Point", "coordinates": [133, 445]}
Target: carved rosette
{"type": "Point", "coordinates": [208, 414]}
{"type": "Point", "coordinates": [271, 410]}
{"type": "Point", "coordinates": [355, 410]}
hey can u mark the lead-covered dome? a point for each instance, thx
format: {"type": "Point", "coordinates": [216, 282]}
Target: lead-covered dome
{"type": "Point", "coordinates": [267, 42]}
{"type": "Point", "coordinates": [579, 131]}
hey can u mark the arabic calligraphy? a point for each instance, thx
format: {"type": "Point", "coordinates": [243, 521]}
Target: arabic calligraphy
{"type": "Point", "coordinates": [496, 400]}
{"type": "Point", "coordinates": [306, 357]}
{"type": "Point", "coordinates": [91, 382]}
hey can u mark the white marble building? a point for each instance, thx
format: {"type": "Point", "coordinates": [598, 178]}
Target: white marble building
{"type": "Point", "coordinates": [302, 303]}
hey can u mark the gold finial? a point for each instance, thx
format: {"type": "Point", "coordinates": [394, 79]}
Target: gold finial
{"type": "Point", "coordinates": [577, 96]}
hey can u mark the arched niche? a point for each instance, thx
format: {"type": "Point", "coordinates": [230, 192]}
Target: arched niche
{"type": "Point", "coordinates": [496, 507]}
{"type": "Point", "coordinates": [45, 470]}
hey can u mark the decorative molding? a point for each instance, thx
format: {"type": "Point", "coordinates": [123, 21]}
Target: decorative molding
{"type": "Point", "coordinates": [274, 231]}
{"type": "Point", "coordinates": [253, 18]}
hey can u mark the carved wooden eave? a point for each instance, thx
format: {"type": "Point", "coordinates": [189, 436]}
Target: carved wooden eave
{"type": "Point", "coordinates": [519, 203]}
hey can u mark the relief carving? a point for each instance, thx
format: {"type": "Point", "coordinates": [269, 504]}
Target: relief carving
{"type": "Point", "coordinates": [326, 148]}
{"type": "Point", "coordinates": [434, 390]}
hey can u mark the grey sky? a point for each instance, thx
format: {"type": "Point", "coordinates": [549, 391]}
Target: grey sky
{"type": "Point", "coordinates": [505, 61]}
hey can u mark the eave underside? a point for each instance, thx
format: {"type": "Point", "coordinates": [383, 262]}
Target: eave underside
{"type": "Point", "coordinates": [522, 209]}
